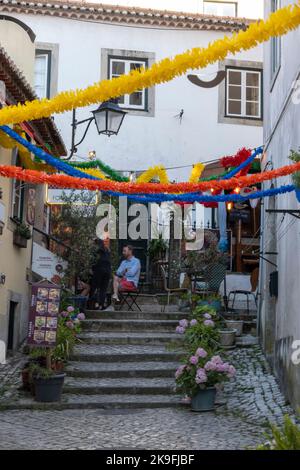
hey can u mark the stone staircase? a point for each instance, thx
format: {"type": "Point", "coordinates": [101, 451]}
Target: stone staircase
{"type": "Point", "coordinates": [123, 361]}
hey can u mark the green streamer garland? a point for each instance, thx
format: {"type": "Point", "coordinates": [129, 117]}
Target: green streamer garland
{"type": "Point", "coordinates": [101, 166]}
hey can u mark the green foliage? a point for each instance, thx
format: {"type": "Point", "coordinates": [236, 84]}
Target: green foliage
{"type": "Point", "coordinates": [157, 248]}
{"type": "Point", "coordinates": [295, 157]}
{"type": "Point", "coordinates": [285, 438]}
{"type": "Point", "coordinates": [23, 230]}
{"type": "Point", "coordinates": [39, 372]}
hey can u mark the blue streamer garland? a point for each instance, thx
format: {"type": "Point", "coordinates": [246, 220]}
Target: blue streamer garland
{"type": "Point", "coordinates": [193, 197]}
{"type": "Point", "coordinates": [243, 165]}
{"type": "Point", "coordinates": [49, 159]}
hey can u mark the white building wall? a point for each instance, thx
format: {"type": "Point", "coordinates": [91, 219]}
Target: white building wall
{"type": "Point", "coordinates": [280, 320]}
{"type": "Point", "coordinates": [145, 141]}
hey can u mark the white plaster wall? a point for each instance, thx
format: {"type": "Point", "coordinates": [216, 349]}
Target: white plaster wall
{"type": "Point", "coordinates": [145, 141]}
{"type": "Point", "coordinates": [282, 133]}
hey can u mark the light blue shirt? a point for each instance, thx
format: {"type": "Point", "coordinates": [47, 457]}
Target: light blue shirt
{"type": "Point", "coordinates": [130, 269]}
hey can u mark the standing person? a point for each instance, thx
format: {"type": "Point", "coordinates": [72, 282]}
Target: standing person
{"type": "Point", "coordinates": [128, 274]}
{"type": "Point", "coordinates": [101, 272]}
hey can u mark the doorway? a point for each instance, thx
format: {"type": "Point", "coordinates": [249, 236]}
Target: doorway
{"type": "Point", "coordinates": [11, 326]}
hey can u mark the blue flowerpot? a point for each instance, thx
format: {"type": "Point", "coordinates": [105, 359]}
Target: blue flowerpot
{"type": "Point", "coordinates": [215, 304]}
{"type": "Point", "coordinates": [204, 400]}
{"type": "Point", "coordinates": [297, 191]}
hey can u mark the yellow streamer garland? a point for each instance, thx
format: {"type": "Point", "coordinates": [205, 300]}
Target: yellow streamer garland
{"type": "Point", "coordinates": [196, 173]}
{"type": "Point", "coordinates": [94, 172]}
{"type": "Point", "coordinates": [279, 23]}
{"type": "Point", "coordinates": [154, 172]}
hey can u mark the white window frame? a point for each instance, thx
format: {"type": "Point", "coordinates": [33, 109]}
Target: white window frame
{"type": "Point", "coordinates": [128, 62]}
{"type": "Point", "coordinates": [275, 45]}
{"type": "Point", "coordinates": [47, 55]}
{"type": "Point", "coordinates": [243, 99]}
{"type": "Point", "coordinates": [235, 3]}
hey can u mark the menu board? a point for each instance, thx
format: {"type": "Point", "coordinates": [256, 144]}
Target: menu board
{"type": "Point", "coordinates": [43, 316]}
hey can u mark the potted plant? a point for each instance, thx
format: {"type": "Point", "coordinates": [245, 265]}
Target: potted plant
{"type": "Point", "coordinates": [201, 329]}
{"type": "Point", "coordinates": [295, 157]}
{"type": "Point", "coordinates": [199, 377]}
{"type": "Point", "coordinates": [214, 301]}
{"type": "Point", "coordinates": [47, 384]}
{"type": "Point", "coordinates": [236, 325]}
{"type": "Point", "coordinates": [21, 235]}
{"type": "Point", "coordinates": [227, 338]}
{"type": "Point", "coordinates": [185, 302]}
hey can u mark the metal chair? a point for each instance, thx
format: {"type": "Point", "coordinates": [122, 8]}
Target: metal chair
{"type": "Point", "coordinates": [129, 298]}
{"type": "Point", "coordinates": [253, 293]}
{"type": "Point", "coordinates": [170, 291]}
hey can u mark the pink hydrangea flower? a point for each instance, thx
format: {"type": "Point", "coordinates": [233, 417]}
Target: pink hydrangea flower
{"type": "Point", "coordinates": [194, 360]}
{"type": "Point", "coordinates": [201, 352]}
{"type": "Point", "coordinates": [193, 322]}
{"type": "Point", "coordinates": [210, 366]}
{"type": "Point", "coordinates": [70, 309]}
{"type": "Point", "coordinates": [231, 372]}
{"type": "Point", "coordinates": [64, 314]}
{"type": "Point", "coordinates": [184, 323]}
{"type": "Point", "coordinates": [179, 371]}
{"type": "Point", "coordinates": [207, 316]}
{"type": "Point", "coordinates": [201, 377]}
{"type": "Point", "coordinates": [70, 324]}
{"type": "Point", "coordinates": [81, 316]}
{"type": "Point", "coordinates": [180, 330]}
{"type": "Point", "coordinates": [209, 323]}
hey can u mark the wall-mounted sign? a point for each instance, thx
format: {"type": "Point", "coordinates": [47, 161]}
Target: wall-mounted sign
{"type": "Point", "coordinates": [60, 196]}
{"type": "Point", "coordinates": [46, 264]}
{"type": "Point", "coordinates": [43, 315]}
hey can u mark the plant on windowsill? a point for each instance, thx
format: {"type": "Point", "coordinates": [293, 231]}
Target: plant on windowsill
{"type": "Point", "coordinates": [295, 157]}
{"type": "Point", "coordinates": [22, 234]}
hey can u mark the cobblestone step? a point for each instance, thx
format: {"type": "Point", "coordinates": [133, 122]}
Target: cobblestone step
{"type": "Point", "coordinates": [134, 315]}
{"type": "Point", "coordinates": [118, 386]}
{"type": "Point", "coordinates": [77, 401]}
{"type": "Point", "coordinates": [130, 325]}
{"type": "Point", "coordinates": [122, 369]}
{"type": "Point", "coordinates": [128, 338]}
{"type": "Point", "coordinates": [123, 353]}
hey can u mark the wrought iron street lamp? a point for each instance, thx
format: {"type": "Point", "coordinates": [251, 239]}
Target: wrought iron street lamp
{"type": "Point", "coordinates": [108, 119]}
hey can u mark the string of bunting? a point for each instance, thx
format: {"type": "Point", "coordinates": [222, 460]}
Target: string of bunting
{"type": "Point", "coordinates": [65, 181]}
{"type": "Point", "coordinates": [193, 197]}
{"type": "Point", "coordinates": [277, 24]}
{"type": "Point", "coordinates": [97, 164]}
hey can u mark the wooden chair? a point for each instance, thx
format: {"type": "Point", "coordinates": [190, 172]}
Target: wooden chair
{"type": "Point", "coordinates": [170, 291]}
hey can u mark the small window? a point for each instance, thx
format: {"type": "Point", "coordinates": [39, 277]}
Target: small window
{"type": "Point", "coordinates": [243, 93]}
{"type": "Point", "coordinates": [220, 8]}
{"type": "Point", "coordinates": [118, 66]}
{"type": "Point", "coordinates": [42, 73]}
{"type": "Point", "coordinates": [18, 193]}
{"type": "Point", "coordinates": [275, 44]}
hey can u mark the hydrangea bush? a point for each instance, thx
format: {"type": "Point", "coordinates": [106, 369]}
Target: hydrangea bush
{"type": "Point", "coordinates": [202, 371]}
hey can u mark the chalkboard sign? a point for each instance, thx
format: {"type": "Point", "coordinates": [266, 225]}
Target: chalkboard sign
{"type": "Point", "coordinates": [242, 215]}
{"type": "Point", "coordinates": [43, 315]}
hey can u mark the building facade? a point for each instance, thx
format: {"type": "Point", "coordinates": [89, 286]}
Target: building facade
{"type": "Point", "coordinates": [21, 205]}
{"type": "Point", "coordinates": [280, 242]}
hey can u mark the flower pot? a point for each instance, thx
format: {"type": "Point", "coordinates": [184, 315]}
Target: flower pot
{"type": "Point", "coordinates": [236, 325]}
{"type": "Point", "coordinates": [204, 400]}
{"type": "Point", "coordinates": [297, 191]}
{"type": "Point", "coordinates": [227, 338]}
{"type": "Point", "coordinates": [48, 390]}
{"type": "Point", "coordinates": [26, 379]}
{"type": "Point", "coordinates": [215, 304]}
{"type": "Point", "coordinates": [20, 241]}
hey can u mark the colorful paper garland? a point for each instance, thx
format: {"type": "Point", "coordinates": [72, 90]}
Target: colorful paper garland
{"type": "Point", "coordinates": [277, 24]}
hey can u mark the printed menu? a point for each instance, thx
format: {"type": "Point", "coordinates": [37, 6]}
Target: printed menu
{"type": "Point", "coordinates": [43, 315]}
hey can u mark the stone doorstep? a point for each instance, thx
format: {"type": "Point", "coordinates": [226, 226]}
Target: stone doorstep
{"type": "Point", "coordinates": [71, 401]}
{"type": "Point", "coordinates": [109, 338]}
{"type": "Point", "coordinates": [130, 325]}
{"type": "Point", "coordinates": [133, 386]}
{"type": "Point", "coordinates": [106, 358]}
{"type": "Point", "coordinates": [134, 315]}
{"type": "Point", "coordinates": [122, 370]}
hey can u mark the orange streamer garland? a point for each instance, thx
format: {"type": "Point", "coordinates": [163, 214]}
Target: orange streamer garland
{"type": "Point", "coordinates": [63, 181]}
